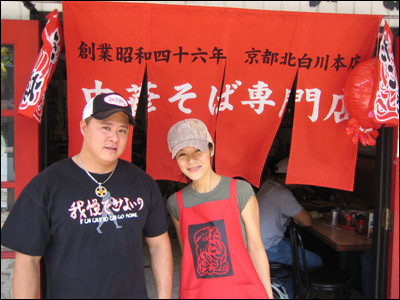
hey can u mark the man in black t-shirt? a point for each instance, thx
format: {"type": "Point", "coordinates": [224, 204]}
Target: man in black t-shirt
{"type": "Point", "coordinates": [86, 216]}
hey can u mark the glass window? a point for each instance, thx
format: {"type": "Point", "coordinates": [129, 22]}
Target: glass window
{"type": "Point", "coordinates": [7, 149]}
{"type": "Point", "coordinates": [7, 76]}
{"type": "Point", "coordinates": [7, 203]}
{"type": "Point", "coordinates": [7, 132]}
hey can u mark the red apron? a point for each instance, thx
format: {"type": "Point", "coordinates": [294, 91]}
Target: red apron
{"type": "Point", "coordinates": [215, 261]}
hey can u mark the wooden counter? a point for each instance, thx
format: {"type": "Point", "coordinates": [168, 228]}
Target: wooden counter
{"type": "Point", "coordinates": [338, 238]}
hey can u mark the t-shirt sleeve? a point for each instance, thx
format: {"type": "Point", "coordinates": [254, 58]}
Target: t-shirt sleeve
{"type": "Point", "coordinates": [244, 192]}
{"type": "Point", "coordinates": [291, 207]}
{"type": "Point", "coordinates": [156, 223]}
{"type": "Point", "coordinates": [26, 228]}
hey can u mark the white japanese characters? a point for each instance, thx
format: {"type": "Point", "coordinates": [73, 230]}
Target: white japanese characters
{"type": "Point", "coordinates": [260, 98]}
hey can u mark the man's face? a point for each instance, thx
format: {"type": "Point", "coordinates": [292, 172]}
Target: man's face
{"type": "Point", "coordinates": [106, 139]}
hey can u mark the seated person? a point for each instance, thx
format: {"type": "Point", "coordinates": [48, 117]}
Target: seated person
{"type": "Point", "coordinates": [277, 205]}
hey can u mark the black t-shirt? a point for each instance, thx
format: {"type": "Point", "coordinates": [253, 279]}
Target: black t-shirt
{"type": "Point", "coordinates": [92, 246]}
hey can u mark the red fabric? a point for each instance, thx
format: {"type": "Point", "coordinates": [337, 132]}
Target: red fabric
{"type": "Point", "coordinates": [32, 103]}
{"type": "Point", "coordinates": [215, 261]}
{"type": "Point", "coordinates": [257, 83]}
{"type": "Point", "coordinates": [387, 97]}
{"type": "Point", "coordinates": [321, 152]}
{"type": "Point", "coordinates": [101, 42]}
{"type": "Point", "coordinates": [180, 88]}
{"type": "Point", "coordinates": [219, 65]}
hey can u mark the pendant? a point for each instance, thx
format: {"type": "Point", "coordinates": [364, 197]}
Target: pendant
{"type": "Point", "coordinates": [101, 191]}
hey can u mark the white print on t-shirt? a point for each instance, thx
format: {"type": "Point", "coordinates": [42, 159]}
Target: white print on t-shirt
{"type": "Point", "coordinates": [110, 208]}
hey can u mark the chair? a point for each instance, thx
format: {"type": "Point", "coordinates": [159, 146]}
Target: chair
{"type": "Point", "coordinates": [325, 278]}
{"type": "Point", "coordinates": [278, 272]}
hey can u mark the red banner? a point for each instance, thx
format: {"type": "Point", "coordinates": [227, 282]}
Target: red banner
{"type": "Point", "coordinates": [33, 100]}
{"type": "Point", "coordinates": [186, 83]}
{"type": "Point", "coordinates": [257, 85]}
{"type": "Point", "coordinates": [104, 43]}
{"type": "Point", "coordinates": [231, 68]}
{"type": "Point", "coordinates": [321, 152]}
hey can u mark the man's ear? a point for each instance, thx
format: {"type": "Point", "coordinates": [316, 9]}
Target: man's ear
{"type": "Point", "coordinates": [83, 127]}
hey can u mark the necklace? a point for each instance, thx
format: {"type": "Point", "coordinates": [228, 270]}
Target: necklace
{"type": "Point", "coordinates": [100, 191]}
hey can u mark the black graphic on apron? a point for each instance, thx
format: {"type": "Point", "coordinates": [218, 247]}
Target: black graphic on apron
{"type": "Point", "coordinates": [210, 250]}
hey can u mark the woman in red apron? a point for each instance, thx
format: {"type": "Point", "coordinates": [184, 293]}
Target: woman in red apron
{"type": "Point", "coordinates": [214, 216]}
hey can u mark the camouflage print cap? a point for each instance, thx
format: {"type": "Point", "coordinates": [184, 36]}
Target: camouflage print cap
{"type": "Point", "coordinates": [189, 132]}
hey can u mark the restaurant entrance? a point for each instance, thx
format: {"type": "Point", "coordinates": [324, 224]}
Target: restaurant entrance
{"type": "Point", "coordinates": [385, 247]}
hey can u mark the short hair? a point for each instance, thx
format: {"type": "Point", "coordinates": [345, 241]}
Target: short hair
{"type": "Point", "coordinates": [88, 119]}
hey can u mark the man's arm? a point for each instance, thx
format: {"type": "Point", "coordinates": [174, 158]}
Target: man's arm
{"type": "Point", "coordinates": [26, 276]}
{"type": "Point", "coordinates": [303, 218]}
{"type": "Point", "coordinates": [161, 263]}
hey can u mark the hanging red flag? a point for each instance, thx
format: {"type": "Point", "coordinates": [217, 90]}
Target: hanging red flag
{"type": "Point", "coordinates": [33, 99]}
{"type": "Point", "coordinates": [386, 104]}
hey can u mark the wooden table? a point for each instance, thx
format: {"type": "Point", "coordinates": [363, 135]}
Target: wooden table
{"type": "Point", "coordinates": [338, 238]}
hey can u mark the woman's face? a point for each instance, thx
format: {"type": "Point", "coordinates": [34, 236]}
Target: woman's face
{"type": "Point", "coordinates": [193, 162]}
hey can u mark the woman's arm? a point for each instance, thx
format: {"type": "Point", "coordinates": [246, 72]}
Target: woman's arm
{"type": "Point", "coordinates": [255, 247]}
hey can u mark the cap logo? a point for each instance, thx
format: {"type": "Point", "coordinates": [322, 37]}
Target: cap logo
{"type": "Point", "coordinates": [116, 100]}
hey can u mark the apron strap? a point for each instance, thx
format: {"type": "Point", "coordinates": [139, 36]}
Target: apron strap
{"type": "Point", "coordinates": [179, 200]}
{"type": "Point", "coordinates": [232, 190]}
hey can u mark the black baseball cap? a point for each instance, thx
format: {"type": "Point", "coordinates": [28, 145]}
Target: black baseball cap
{"type": "Point", "coordinates": [104, 105]}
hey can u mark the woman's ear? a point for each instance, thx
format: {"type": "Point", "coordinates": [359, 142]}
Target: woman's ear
{"type": "Point", "coordinates": [211, 150]}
